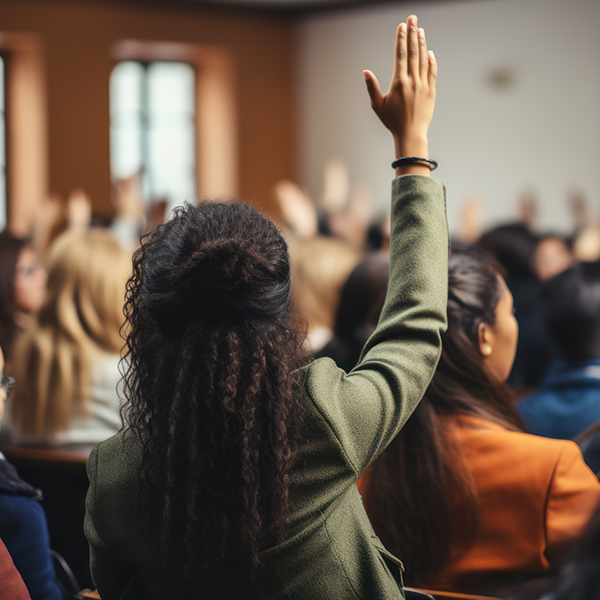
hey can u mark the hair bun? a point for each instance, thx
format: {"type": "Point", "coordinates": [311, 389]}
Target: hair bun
{"type": "Point", "coordinates": [222, 265]}
{"type": "Point", "coordinates": [213, 263]}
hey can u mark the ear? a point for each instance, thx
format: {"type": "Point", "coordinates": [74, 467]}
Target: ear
{"type": "Point", "coordinates": [486, 339]}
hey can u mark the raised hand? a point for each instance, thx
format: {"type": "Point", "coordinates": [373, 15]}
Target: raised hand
{"type": "Point", "coordinates": [407, 107]}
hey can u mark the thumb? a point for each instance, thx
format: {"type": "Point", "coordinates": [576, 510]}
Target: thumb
{"type": "Point", "coordinates": [374, 91]}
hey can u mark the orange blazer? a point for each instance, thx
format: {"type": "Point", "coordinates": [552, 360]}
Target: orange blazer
{"type": "Point", "coordinates": [536, 495]}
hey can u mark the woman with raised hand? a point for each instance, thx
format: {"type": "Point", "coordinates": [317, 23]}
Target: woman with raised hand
{"type": "Point", "coordinates": [235, 475]}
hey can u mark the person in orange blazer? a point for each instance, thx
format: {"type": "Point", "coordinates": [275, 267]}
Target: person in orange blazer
{"type": "Point", "coordinates": [463, 496]}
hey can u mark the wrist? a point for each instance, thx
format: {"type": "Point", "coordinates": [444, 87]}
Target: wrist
{"type": "Point", "coordinates": [413, 146]}
{"type": "Point", "coordinates": [416, 145]}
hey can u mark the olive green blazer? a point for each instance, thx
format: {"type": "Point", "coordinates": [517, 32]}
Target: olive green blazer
{"type": "Point", "coordinates": [331, 552]}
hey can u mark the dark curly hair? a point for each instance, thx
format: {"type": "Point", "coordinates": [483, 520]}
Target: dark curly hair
{"type": "Point", "coordinates": [211, 347]}
{"type": "Point", "coordinates": [413, 487]}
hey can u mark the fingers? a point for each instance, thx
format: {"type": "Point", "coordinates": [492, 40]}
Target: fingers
{"type": "Point", "coordinates": [433, 69]}
{"type": "Point", "coordinates": [374, 91]}
{"type": "Point", "coordinates": [423, 56]}
{"type": "Point", "coordinates": [413, 47]}
{"type": "Point", "coordinates": [401, 66]}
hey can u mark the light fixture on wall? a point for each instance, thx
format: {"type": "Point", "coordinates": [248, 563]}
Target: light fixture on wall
{"type": "Point", "coordinates": [501, 78]}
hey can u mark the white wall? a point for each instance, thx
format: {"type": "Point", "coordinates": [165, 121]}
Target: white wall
{"type": "Point", "coordinates": [540, 134]}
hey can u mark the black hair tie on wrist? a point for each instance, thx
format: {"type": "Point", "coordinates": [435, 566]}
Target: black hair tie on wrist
{"type": "Point", "coordinates": [415, 160]}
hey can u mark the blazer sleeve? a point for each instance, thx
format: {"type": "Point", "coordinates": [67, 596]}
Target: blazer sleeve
{"type": "Point", "coordinates": [367, 407]}
{"type": "Point", "coordinates": [573, 497]}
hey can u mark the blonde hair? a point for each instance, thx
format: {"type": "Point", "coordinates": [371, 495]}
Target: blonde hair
{"type": "Point", "coordinates": [320, 267]}
{"type": "Point", "coordinates": [81, 314]}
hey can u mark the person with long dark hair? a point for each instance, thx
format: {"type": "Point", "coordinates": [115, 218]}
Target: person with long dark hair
{"type": "Point", "coordinates": [235, 475]}
{"type": "Point", "coordinates": [462, 493]}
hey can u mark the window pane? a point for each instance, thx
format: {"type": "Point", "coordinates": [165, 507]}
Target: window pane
{"type": "Point", "coordinates": [126, 88]}
{"type": "Point", "coordinates": [125, 151]}
{"type": "Point", "coordinates": [171, 146]}
{"type": "Point", "coordinates": [171, 88]}
{"type": "Point", "coordinates": [126, 84]}
{"type": "Point", "coordinates": [176, 185]}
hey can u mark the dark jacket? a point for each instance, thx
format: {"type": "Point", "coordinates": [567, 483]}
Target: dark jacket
{"type": "Point", "coordinates": [566, 403]}
{"type": "Point", "coordinates": [24, 531]}
{"type": "Point", "coordinates": [331, 552]}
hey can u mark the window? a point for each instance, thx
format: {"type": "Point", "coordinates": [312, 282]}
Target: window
{"type": "Point", "coordinates": [153, 123]}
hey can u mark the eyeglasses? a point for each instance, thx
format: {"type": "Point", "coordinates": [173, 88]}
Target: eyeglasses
{"type": "Point", "coordinates": [26, 272]}
{"type": "Point", "coordinates": [7, 384]}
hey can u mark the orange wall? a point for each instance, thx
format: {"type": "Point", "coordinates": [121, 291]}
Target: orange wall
{"type": "Point", "coordinates": [77, 44]}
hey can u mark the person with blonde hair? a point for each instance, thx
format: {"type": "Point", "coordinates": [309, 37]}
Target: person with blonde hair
{"type": "Point", "coordinates": [319, 269]}
{"type": "Point", "coordinates": [67, 361]}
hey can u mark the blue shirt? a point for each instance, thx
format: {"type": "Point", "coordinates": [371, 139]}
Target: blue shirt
{"type": "Point", "coordinates": [24, 531]}
{"type": "Point", "coordinates": [567, 401]}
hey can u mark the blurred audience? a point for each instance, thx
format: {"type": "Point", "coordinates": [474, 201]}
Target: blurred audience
{"type": "Point", "coordinates": [22, 284]}
{"type": "Point", "coordinates": [361, 302]}
{"type": "Point", "coordinates": [586, 246]}
{"type": "Point", "coordinates": [67, 360]}
{"type": "Point", "coordinates": [552, 256]}
{"type": "Point", "coordinates": [466, 498]}
{"type": "Point", "coordinates": [297, 210]}
{"type": "Point", "coordinates": [320, 267]}
{"type": "Point", "coordinates": [568, 399]}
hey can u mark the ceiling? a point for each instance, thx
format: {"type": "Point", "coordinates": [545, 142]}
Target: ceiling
{"type": "Point", "coordinates": [265, 7]}
{"type": "Point", "coordinates": [294, 6]}
{"type": "Point", "coordinates": [273, 8]}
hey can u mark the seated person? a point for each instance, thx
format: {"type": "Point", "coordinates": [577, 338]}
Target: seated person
{"type": "Point", "coordinates": [236, 473]}
{"type": "Point", "coordinates": [361, 302]}
{"type": "Point", "coordinates": [568, 400]}
{"type": "Point", "coordinates": [513, 246]}
{"type": "Point", "coordinates": [23, 527]}
{"type": "Point", "coordinates": [67, 360]}
{"type": "Point", "coordinates": [466, 498]}
{"type": "Point", "coordinates": [320, 266]}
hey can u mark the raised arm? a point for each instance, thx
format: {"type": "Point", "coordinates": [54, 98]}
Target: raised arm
{"type": "Point", "coordinates": [407, 108]}
{"type": "Point", "coordinates": [367, 407]}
